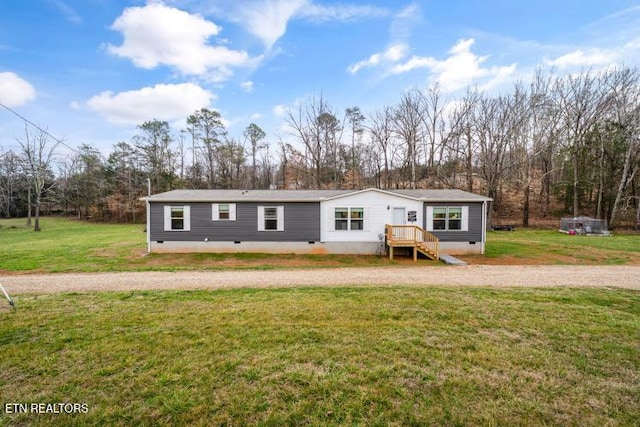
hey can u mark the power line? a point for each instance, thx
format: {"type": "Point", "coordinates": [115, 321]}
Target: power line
{"type": "Point", "coordinates": [58, 140]}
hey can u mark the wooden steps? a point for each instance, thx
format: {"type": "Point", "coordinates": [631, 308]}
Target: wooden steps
{"type": "Point", "coordinates": [411, 236]}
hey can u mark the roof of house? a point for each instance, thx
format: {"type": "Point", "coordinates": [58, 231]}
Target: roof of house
{"type": "Point", "coordinates": [181, 196]}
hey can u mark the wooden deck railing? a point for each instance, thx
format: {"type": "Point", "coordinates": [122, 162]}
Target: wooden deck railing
{"type": "Point", "coordinates": [412, 236]}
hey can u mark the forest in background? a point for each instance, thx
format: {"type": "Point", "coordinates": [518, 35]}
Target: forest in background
{"type": "Point", "coordinates": [548, 147]}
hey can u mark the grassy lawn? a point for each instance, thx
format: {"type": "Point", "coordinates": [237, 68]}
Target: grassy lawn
{"type": "Point", "coordinates": [535, 246]}
{"type": "Point", "coordinates": [66, 245]}
{"type": "Point", "coordinates": [73, 246]}
{"type": "Point", "coordinates": [326, 356]}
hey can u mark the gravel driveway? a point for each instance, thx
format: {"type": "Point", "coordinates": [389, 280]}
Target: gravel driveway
{"type": "Point", "coordinates": [477, 275]}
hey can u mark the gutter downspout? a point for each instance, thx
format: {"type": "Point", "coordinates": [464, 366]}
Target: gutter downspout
{"type": "Point", "coordinates": [148, 226]}
{"type": "Point", "coordinates": [148, 216]}
{"type": "Point", "coordinates": [484, 225]}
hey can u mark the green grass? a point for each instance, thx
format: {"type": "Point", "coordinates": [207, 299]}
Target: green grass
{"type": "Point", "coordinates": [326, 356]}
{"type": "Point", "coordinates": [66, 245]}
{"type": "Point", "coordinates": [72, 246]}
{"type": "Point", "coordinates": [552, 247]}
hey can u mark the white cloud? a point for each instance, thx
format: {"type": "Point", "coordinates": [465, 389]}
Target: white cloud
{"type": "Point", "coordinates": [460, 69]}
{"type": "Point", "coordinates": [67, 11]}
{"type": "Point", "coordinates": [161, 35]}
{"type": "Point", "coordinates": [247, 86]}
{"type": "Point", "coordinates": [268, 19]}
{"type": "Point", "coordinates": [393, 54]}
{"type": "Point", "coordinates": [256, 116]}
{"type": "Point", "coordinates": [404, 21]}
{"type": "Point", "coordinates": [342, 13]}
{"type": "Point", "coordinates": [596, 56]}
{"type": "Point", "coordinates": [163, 102]}
{"type": "Point", "coordinates": [280, 110]}
{"type": "Point", "coordinates": [14, 90]}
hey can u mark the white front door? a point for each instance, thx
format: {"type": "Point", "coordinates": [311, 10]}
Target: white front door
{"type": "Point", "coordinates": [399, 216]}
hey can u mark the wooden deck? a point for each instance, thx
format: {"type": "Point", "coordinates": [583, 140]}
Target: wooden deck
{"type": "Point", "coordinates": [411, 236]}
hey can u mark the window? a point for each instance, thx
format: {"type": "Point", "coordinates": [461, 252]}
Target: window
{"type": "Point", "coordinates": [224, 211]}
{"type": "Point", "coordinates": [357, 219]}
{"type": "Point", "coordinates": [342, 218]}
{"type": "Point", "coordinates": [177, 218]}
{"type": "Point", "coordinates": [270, 218]}
{"type": "Point", "coordinates": [447, 218]}
{"type": "Point", "coordinates": [349, 219]}
{"type": "Point", "coordinates": [455, 218]}
{"type": "Point", "coordinates": [439, 218]}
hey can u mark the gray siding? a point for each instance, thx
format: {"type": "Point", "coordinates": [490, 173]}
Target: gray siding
{"type": "Point", "coordinates": [474, 234]}
{"type": "Point", "coordinates": [301, 224]}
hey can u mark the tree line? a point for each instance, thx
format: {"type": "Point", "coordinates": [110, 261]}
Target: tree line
{"type": "Point", "coordinates": [550, 146]}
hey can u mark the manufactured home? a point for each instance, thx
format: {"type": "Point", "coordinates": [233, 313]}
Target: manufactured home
{"type": "Point", "coordinates": [317, 221]}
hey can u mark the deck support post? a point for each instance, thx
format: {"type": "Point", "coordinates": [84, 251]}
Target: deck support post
{"type": "Point", "coordinates": [415, 253]}
{"type": "Point", "coordinates": [391, 253]}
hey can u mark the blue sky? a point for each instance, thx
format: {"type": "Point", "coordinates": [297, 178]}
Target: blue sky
{"type": "Point", "coordinates": [91, 70]}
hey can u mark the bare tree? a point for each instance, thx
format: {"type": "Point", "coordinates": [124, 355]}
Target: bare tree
{"type": "Point", "coordinates": [500, 122]}
{"type": "Point", "coordinates": [255, 135]}
{"type": "Point", "coordinates": [356, 120]}
{"type": "Point", "coordinates": [10, 179]}
{"type": "Point", "coordinates": [154, 144]}
{"type": "Point", "coordinates": [408, 120]}
{"type": "Point", "coordinates": [38, 152]}
{"type": "Point", "coordinates": [208, 133]}
{"type": "Point", "coordinates": [581, 100]}
{"type": "Point", "coordinates": [625, 89]}
{"type": "Point", "coordinates": [433, 123]}
{"type": "Point", "coordinates": [315, 126]}
{"type": "Point", "coordinates": [381, 131]}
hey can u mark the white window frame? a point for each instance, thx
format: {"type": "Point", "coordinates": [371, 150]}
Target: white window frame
{"type": "Point", "coordinates": [464, 220]}
{"type": "Point", "coordinates": [215, 209]}
{"type": "Point", "coordinates": [279, 219]}
{"type": "Point", "coordinates": [186, 218]}
{"type": "Point", "coordinates": [349, 219]}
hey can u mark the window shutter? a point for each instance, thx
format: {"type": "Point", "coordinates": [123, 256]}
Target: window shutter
{"type": "Point", "coordinates": [465, 218]}
{"type": "Point", "coordinates": [167, 218]}
{"type": "Point", "coordinates": [365, 219]}
{"type": "Point", "coordinates": [216, 212]}
{"type": "Point", "coordinates": [187, 218]}
{"type": "Point", "coordinates": [260, 218]}
{"type": "Point", "coordinates": [232, 212]}
{"type": "Point", "coordinates": [280, 218]}
{"type": "Point", "coordinates": [429, 223]}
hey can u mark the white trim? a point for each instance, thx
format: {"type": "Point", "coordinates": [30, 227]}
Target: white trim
{"type": "Point", "coordinates": [280, 211]}
{"type": "Point", "coordinates": [261, 218]}
{"type": "Point", "coordinates": [377, 190]}
{"type": "Point", "coordinates": [464, 221]}
{"type": "Point", "coordinates": [484, 226]}
{"type": "Point", "coordinates": [215, 211]}
{"type": "Point", "coordinates": [279, 219]}
{"type": "Point", "coordinates": [167, 218]}
{"type": "Point", "coordinates": [429, 223]}
{"type": "Point", "coordinates": [365, 218]}
{"type": "Point", "coordinates": [464, 226]}
{"type": "Point", "coordinates": [148, 226]}
{"type": "Point", "coordinates": [186, 217]}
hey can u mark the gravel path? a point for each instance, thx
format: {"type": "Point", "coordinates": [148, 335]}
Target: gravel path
{"type": "Point", "coordinates": [478, 275]}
